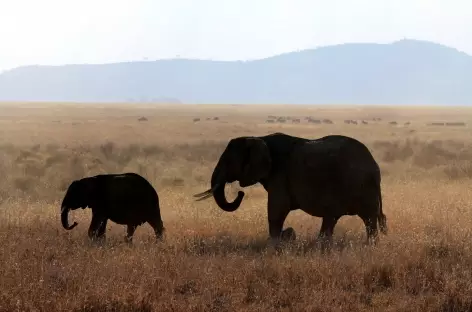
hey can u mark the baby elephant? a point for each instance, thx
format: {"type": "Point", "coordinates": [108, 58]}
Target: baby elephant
{"type": "Point", "coordinates": [126, 198]}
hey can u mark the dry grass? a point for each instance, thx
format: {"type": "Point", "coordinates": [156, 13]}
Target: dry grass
{"type": "Point", "coordinates": [216, 261]}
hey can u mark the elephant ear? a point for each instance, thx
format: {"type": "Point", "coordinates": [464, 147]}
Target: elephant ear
{"type": "Point", "coordinates": [90, 190]}
{"type": "Point", "coordinates": [257, 162]}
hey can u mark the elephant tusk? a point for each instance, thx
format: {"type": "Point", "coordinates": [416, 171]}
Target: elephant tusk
{"type": "Point", "coordinates": [205, 197]}
{"type": "Point", "coordinates": [206, 194]}
{"type": "Point", "coordinates": [203, 193]}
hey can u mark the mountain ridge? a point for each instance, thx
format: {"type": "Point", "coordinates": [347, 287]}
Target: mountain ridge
{"type": "Point", "coordinates": [404, 72]}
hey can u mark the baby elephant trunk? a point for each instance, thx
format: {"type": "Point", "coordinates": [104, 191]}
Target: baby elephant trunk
{"type": "Point", "coordinates": [65, 219]}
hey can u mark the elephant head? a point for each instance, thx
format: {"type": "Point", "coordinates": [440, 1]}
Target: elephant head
{"type": "Point", "coordinates": [245, 159]}
{"type": "Point", "coordinates": [80, 194]}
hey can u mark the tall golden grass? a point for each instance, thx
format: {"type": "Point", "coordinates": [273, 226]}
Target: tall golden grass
{"type": "Point", "coordinates": [216, 261]}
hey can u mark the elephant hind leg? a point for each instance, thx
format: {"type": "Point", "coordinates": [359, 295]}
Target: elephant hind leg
{"type": "Point", "coordinates": [370, 217]}
{"type": "Point", "coordinates": [130, 232]}
{"type": "Point", "coordinates": [370, 222]}
{"type": "Point", "coordinates": [158, 226]}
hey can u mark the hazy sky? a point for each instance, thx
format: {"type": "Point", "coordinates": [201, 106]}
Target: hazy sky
{"type": "Point", "coordinates": [101, 31]}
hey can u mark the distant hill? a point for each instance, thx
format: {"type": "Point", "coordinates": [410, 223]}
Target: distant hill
{"type": "Point", "coordinates": [403, 72]}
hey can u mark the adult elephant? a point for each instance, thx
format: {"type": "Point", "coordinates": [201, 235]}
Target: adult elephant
{"type": "Point", "coordinates": [126, 198]}
{"type": "Point", "coordinates": [327, 177]}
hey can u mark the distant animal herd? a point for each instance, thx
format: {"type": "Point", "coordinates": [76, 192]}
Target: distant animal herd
{"type": "Point", "coordinates": [309, 119]}
{"type": "Point", "coordinates": [297, 120]}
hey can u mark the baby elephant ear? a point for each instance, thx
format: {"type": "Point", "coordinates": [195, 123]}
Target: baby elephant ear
{"type": "Point", "coordinates": [90, 190]}
{"type": "Point", "coordinates": [257, 162]}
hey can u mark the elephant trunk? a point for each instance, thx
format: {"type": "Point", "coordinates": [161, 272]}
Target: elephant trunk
{"type": "Point", "coordinates": [218, 183]}
{"type": "Point", "coordinates": [65, 218]}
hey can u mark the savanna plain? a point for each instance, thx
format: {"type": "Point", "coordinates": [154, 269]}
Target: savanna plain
{"type": "Point", "coordinates": [212, 260]}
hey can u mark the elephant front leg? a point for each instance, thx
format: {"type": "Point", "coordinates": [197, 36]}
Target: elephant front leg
{"type": "Point", "coordinates": [97, 228]}
{"type": "Point", "coordinates": [277, 212]}
{"type": "Point", "coordinates": [325, 236]}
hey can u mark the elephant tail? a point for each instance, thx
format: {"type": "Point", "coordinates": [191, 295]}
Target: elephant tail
{"type": "Point", "coordinates": [381, 216]}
